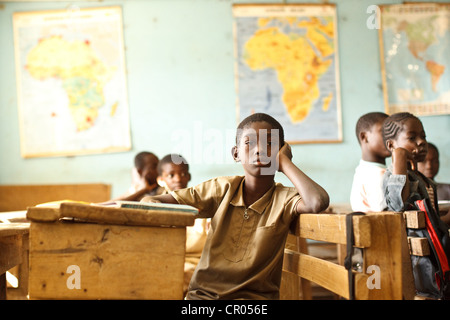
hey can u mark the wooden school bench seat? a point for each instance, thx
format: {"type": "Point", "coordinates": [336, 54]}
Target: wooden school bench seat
{"type": "Point", "coordinates": [19, 197]}
{"type": "Point", "coordinates": [386, 269]}
{"type": "Point", "coordinates": [80, 251]}
{"type": "Point", "coordinates": [13, 252]}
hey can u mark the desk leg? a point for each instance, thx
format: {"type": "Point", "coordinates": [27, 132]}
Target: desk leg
{"type": "Point", "coordinates": [3, 286]}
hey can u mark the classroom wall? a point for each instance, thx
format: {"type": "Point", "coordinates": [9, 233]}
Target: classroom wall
{"type": "Point", "coordinates": [180, 73]}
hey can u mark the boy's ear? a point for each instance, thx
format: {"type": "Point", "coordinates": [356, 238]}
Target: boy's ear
{"type": "Point", "coordinates": [390, 145]}
{"type": "Point", "coordinates": [235, 154]}
{"type": "Point", "coordinates": [363, 136]}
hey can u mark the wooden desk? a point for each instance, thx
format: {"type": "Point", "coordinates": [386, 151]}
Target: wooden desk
{"type": "Point", "coordinates": [106, 253]}
{"type": "Point", "coordinates": [13, 252]}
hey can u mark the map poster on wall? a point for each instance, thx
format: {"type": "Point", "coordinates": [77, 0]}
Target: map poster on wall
{"type": "Point", "coordinates": [287, 66]}
{"type": "Point", "coordinates": [71, 82]}
{"type": "Point", "coordinates": [415, 58]}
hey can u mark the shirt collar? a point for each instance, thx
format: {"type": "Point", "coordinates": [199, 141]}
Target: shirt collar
{"type": "Point", "coordinates": [372, 164]}
{"type": "Point", "coordinates": [259, 205]}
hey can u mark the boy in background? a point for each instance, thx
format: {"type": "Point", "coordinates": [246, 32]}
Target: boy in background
{"type": "Point", "coordinates": [173, 174]}
{"type": "Point", "coordinates": [430, 168]}
{"type": "Point", "coordinates": [366, 193]}
{"type": "Point", "coordinates": [144, 177]}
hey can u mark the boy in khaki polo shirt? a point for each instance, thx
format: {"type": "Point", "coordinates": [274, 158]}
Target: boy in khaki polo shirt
{"type": "Point", "coordinates": [251, 215]}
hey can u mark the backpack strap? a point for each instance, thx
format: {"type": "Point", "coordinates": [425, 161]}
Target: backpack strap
{"type": "Point", "coordinates": [437, 247]}
{"type": "Point", "coordinates": [348, 257]}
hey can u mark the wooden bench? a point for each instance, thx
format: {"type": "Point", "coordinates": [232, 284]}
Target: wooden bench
{"type": "Point", "coordinates": [19, 197]}
{"type": "Point", "coordinates": [14, 252]}
{"type": "Point", "coordinates": [386, 271]}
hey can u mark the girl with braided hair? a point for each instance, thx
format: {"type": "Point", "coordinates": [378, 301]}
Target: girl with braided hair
{"type": "Point", "coordinates": [404, 136]}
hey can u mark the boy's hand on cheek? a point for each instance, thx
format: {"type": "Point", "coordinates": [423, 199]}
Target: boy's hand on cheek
{"type": "Point", "coordinates": [285, 154]}
{"type": "Point", "coordinates": [400, 158]}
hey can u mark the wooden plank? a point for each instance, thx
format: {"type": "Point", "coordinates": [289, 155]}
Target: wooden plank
{"type": "Point", "coordinates": [415, 219]}
{"type": "Point", "coordinates": [324, 273]}
{"type": "Point", "coordinates": [332, 228]}
{"type": "Point", "coordinates": [19, 197]}
{"type": "Point", "coordinates": [10, 252]}
{"type": "Point", "coordinates": [43, 214]}
{"type": "Point", "coordinates": [11, 229]}
{"type": "Point", "coordinates": [408, 285]}
{"type": "Point", "coordinates": [115, 262]}
{"type": "Point", "coordinates": [419, 246]}
{"type": "Point", "coordinates": [126, 216]}
{"type": "Point", "coordinates": [385, 254]}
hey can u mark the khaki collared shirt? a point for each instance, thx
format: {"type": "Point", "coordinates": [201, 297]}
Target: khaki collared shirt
{"type": "Point", "coordinates": [243, 254]}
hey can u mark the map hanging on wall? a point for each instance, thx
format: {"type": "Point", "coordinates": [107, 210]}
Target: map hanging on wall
{"type": "Point", "coordinates": [71, 82]}
{"type": "Point", "coordinates": [415, 58]}
{"type": "Point", "coordinates": [287, 66]}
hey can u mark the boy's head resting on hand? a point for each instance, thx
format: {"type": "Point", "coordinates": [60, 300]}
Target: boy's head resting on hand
{"type": "Point", "coordinates": [405, 130]}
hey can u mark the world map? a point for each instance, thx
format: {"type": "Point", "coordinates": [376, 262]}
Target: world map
{"type": "Point", "coordinates": [71, 88]}
{"type": "Point", "coordinates": [287, 67]}
{"type": "Point", "coordinates": [82, 72]}
{"type": "Point", "coordinates": [416, 58]}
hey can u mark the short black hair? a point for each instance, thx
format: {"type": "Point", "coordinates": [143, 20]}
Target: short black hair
{"type": "Point", "coordinates": [366, 121]}
{"type": "Point", "coordinates": [260, 117]}
{"type": "Point", "coordinates": [393, 125]}
{"type": "Point", "coordinates": [139, 159]}
{"type": "Point", "coordinates": [173, 158]}
{"type": "Point", "coordinates": [433, 146]}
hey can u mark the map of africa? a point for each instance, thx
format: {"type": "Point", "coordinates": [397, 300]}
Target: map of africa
{"type": "Point", "coordinates": [72, 93]}
{"type": "Point", "coordinates": [416, 57]}
{"type": "Point", "coordinates": [287, 67]}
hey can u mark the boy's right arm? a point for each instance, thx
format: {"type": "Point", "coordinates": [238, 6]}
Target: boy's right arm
{"type": "Point", "coordinates": [400, 159]}
{"type": "Point", "coordinates": [314, 197]}
{"type": "Point", "coordinates": [164, 198]}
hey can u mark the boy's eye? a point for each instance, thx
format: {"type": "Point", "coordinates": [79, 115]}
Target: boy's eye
{"type": "Point", "coordinates": [250, 142]}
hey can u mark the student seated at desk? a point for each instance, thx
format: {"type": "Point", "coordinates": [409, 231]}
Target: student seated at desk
{"type": "Point", "coordinates": [430, 168]}
{"type": "Point", "coordinates": [144, 177]}
{"type": "Point", "coordinates": [173, 174]}
{"type": "Point", "coordinates": [251, 215]}
{"type": "Point", "coordinates": [403, 185]}
{"type": "Point", "coordinates": [366, 193]}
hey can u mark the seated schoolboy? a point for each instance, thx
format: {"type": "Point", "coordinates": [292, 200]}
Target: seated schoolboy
{"type": "Point", "coordinates": [251, 215]}
{"type": "Point", "coordinates": [366, 193]}
{"type": "Point", "coordinates": [144, 177]}
{"type": "Point", "coordinates": [173, 174]}
{"type": "Point", "coordinates": [430, 168]}
{"type": "Point", "coordinates": [404, 136]}
{"type": "Point", "coordinates": [403, 185]}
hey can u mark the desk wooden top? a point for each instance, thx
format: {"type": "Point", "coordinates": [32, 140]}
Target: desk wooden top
{"type": "Point", "coordinates": [109, 215]}
{"type": "Point", "coordinates": [12, 229]}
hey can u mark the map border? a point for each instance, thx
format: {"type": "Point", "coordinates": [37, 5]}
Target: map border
{"type": "Point", "coordinates": [416, 109]}
{"type": "Point", "coordinates": [52, 151]}
{"type": "Point", "coordinates": [336, 60]}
